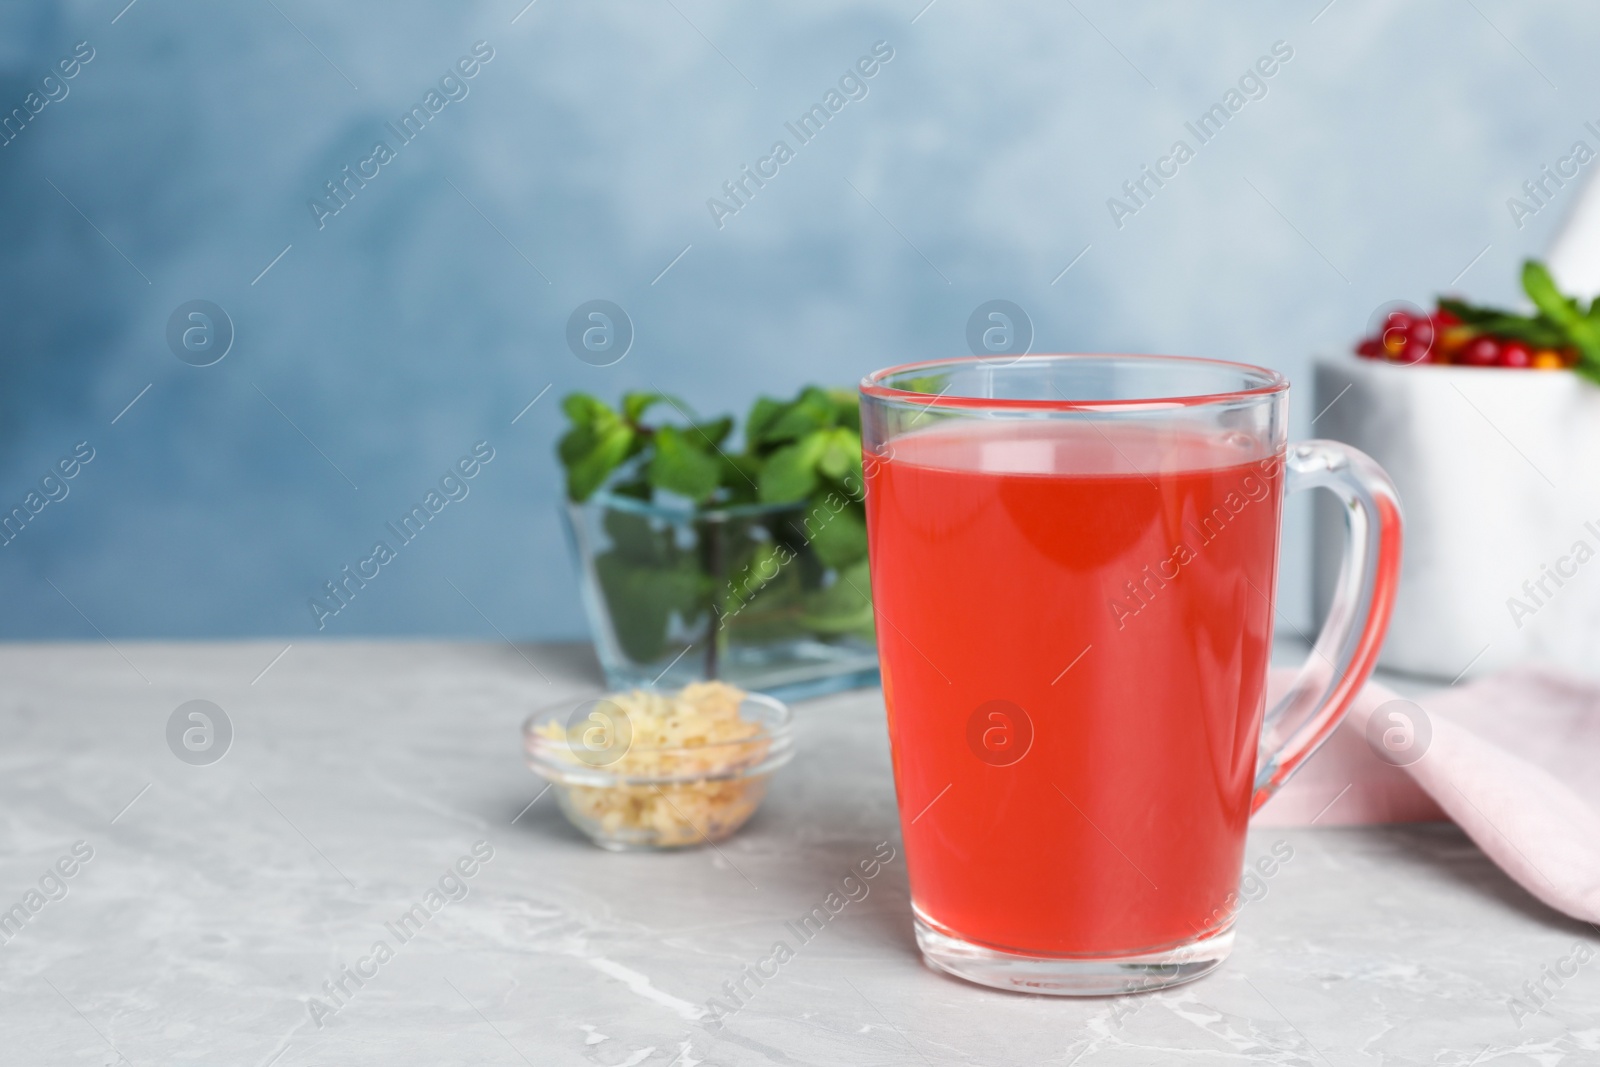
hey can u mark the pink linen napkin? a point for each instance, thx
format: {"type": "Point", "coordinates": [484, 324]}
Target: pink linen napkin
{"type": "Point", "coordinates": [1510, 759]}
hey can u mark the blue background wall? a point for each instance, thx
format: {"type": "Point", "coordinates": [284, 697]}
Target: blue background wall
{"type": "Point", "coordinates": [430, 310]}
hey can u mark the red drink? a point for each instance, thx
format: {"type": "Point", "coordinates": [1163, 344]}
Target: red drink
{"type": "Point", "coordinates": [1112, 589]}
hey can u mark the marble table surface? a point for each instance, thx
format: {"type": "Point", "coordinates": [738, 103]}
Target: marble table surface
{"type": "Point", "coordinates": [208, 905]}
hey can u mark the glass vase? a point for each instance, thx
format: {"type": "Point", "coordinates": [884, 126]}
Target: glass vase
{"type": "Point", "coordinates": [752, 595]}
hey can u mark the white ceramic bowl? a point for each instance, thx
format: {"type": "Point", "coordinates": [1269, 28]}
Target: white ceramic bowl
{"type": "Point", "coordinates": [1499, 479]}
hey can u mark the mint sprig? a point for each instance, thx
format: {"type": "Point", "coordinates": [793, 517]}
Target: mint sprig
{"type": "Point", "coordinates": [1580, 325]}
{"type": "Point", "coordinates": [792, 448]}
{"type": "Point", "coordinates": [1559, 321]}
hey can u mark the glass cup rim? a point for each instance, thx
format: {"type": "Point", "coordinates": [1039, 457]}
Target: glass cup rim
{"type": "Point", "coordinates": [1272, 383]}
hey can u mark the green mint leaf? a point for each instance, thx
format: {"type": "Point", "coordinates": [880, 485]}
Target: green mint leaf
{"type": "Point", "coordinates": [634, 405]}
{"type": "Point", "coordinates": [634, 539]}
{"type": "Point", "coordinates": [1536, 330]}
{"type": "Point", "coordinates": [637, 487]}
{"type": "Point", "coordinates": [681, 466]}
{"type": "Point", "coordinates": [837, 531]}
{"type": "Point", "coordinates": [769, 613]}
{"type": "Point", "coordinates": [740, 477]}
{"type": "Point", "coordinates": [711, 434]}
{"type": "Point", "coordinates": [1562, 311]}
{"type": "Point", "coordinates": [811, 411]}
{"type": "Point", "coordinates": [576, 443]}
{"type": "Point", "coordinates": [841, 454]}
{"type": "Point", "coordinates": [791, 472]}
{"type": "Point", "coordinates": [751, 575]}
{"type": "Point", "coordinates": [1469, 314]}
{"type": "Point", "coordinates": [1581, 332]}
{"type": "Point", "coordinates": [1588, 352]}
{"type": "Point", "coordinates": [1538, 333]}
{"type": "Point", "coordinates": [1541, 289]}
{"type": "Point", "coordinates": [604, 450]}
{"type": "Point", "coordinates": [763, 413]}
{"type": "Point", "coordinates": [845, 607]}
{"type": "Point", "coordinates": [846, 408]}
{"type": "Point", "coordinates": [596, 444]}
{"type": "Point", "coordinates": [582, 408]}
{"type": "Point", "coordinates": [642, 600]}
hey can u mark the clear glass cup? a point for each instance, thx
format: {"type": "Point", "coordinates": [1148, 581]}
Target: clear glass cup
{"type": "Point", "coordinates": [1073, 566]}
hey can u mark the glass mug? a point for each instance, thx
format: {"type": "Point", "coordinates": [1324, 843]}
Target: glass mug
{"type": "Point", "coordinates": [1073, 562]}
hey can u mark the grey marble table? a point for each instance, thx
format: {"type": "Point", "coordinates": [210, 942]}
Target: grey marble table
{"type": "Point", "coordinates": [210, 909]}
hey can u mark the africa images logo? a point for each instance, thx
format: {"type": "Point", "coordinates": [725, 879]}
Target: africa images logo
{"type": "Point", "coordinates": [453, 487]}
{"type": "Point", "coordinates": [1252, 85]}
{"type": "Point", "coordinates": [53, 89]}
{"type": "Point", "coordinates": [1142, 593]}
{"type": "Point", "coordinates": [453, 88]}
{"type": "Point", "coordinates": [451, 887]}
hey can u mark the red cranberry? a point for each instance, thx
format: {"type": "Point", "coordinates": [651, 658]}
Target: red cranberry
{"type": "Point", "coordinates": [1369, 349]}
{"type": "Point", "coordinates": [1481, 352]}
{"type": "Point", "coordinates": [1419, 342]}
{"type": "Point", "coordinates": [1422, 332]}
{"type": "Point", "coordinates": [1515, 354]}
{"type": "Point", "coordinates": [1444, 319]}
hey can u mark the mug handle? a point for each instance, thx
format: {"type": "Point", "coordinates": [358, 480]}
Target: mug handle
{"type": "Point", "coordinates": [1347, 649]}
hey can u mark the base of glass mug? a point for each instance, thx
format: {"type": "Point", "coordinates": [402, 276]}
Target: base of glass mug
{"type": "Point", "coordinates": [1071, 976]}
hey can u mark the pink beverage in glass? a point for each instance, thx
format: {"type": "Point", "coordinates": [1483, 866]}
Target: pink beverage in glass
{"type": "Point", "coordinates": [1073, 564]}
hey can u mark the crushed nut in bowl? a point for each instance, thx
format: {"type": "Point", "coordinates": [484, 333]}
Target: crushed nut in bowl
{"type": "Point", "coordinates": [645, 770]}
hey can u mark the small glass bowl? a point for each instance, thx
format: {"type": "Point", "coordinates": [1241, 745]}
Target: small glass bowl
{"type": "Point", "coordinates": [626, 797]}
